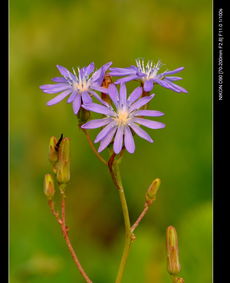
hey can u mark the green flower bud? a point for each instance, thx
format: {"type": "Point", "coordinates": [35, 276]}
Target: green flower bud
{"type": "Point", "coordinates": [64, 150]}
{"type": "Point", "coordinates": [53, 155]}
{"type": "Point", "coordinates": [63, 172]}
{"type": "Point", "coordinates": [172, 251]}
{"type": "Point", "coordinates": [150, 195]}
{"type": "Point", "coordinates": [49, 189]}
{"type": "Point", "coordinates": [62, 167]}
{"type": "Point", "coordinates": [83, 116]}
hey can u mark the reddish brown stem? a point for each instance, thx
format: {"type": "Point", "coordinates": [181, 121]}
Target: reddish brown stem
{"type": "Point", "coordinates": [141, 216]}
{"type": "Point", "coordinates": [64, 229]}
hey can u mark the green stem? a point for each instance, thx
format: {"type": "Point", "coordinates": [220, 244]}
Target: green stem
{"type": "Point", "coordinates": [115, 173]}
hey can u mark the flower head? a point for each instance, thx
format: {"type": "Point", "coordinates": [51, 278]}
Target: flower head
{"type": "Point", "coordinates": [148, 75]}
{"type": "Point", "coordinates": [122, 118]}
{"type": "Point", "coordinates": [78, 86]}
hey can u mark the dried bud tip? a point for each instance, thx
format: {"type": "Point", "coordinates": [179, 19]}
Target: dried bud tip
{"type": "Point", "coordinates": [49, 189]}
{"type": "Point", "coordinates": [152, 190]}
{"type": "Point", "coordinates": [53, 155]}
{"type": "Point", "coordinates": [172, 251]}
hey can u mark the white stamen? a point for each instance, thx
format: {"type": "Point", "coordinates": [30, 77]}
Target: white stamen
{"type": "Point", "coordinates": [149, 69]}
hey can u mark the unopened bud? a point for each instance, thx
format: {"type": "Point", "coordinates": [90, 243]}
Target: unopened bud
{"type": "Point", "coordinates": [150, 195]}
{"type": "Point", "coordinates": [83, 116]}
{"type": "Point", "coordinates": [53, 155]}
{"type": "Point", "coordinates": [63, 152]}
{"type": "Point", "coordinates": [172, 251]}
{"type": "Point", "coordinates": [63, 172]}
{"type": "Point", "coordinates": [49, 189]}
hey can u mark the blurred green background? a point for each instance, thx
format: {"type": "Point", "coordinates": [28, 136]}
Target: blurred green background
{"type": "Point", "coordinates": [73, 33]}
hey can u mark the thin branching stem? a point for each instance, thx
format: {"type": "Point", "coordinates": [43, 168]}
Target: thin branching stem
{"type": "Point", "coordinates": [141, 216]}
{"type": "Point", "coordinates": [64, 229]}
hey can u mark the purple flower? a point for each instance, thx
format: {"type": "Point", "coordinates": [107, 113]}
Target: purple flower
{"type": "Point", "coordinates": [79, 87]}
{"type": "Point", "coordinates": [148, 75]}
{"type": "Point", "coordinates": [122, 119]}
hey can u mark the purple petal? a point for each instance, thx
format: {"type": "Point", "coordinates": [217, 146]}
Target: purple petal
{"type": "Point", "coordinates": [99, 88]}
{"type": "Point", "coordinates": [129, 141]}
{"type": "Point", "coordinates": [76, 104]}
{"type": "Point", "coordinates": [107, 139]}
{"type": "Point", "coordinates": [126, 79]}
{"type": "Point", "coordinates": [141, 102]}
{"type": "Point", "coordinates": [53, 88]}
{"type": "Point", "coordinates": [148, 85]}
{"type": "Point", "coordinates": [63, 71]}
{"type": "Point", "coordinates": [72, 96]}
{"type": "Point", "coordinates": [122, 71]}
{"type": "Point", "coordinates": [97, 75]}
{"type": "Point", "coordinates": [86, 97]}
{"type": "Point", "coordinates": [118, 140]}
{"type": "Point", "coordinates": [106, 66]}
{"type": "Point", "coordinates": [104, 131]}
{"type": "Point", "coordinates": [58, 98]}
{"type": "Point", "coordinates": [113, 93]}
{"type": "Point", "coordinates": [89, 69]}
{"type": "Point", "coordinates": [162, 82]}
{"type": "Point", "coordinates": [140, 132]}
{"type": "Point", "coordinates": [135, 95]}
{"type": "Point", "coordinates": [59, 80]}
{"type": "Point", "coordinates": [173, 72]}
{"type": "Point", "coordinates": [150, 113]}
{"type": "Point", "coordinates": [123, 94]}
{"type": "Point", "coordinates": [98, 97]}
{"type": "Point", "coordinates": [99, 109]}
{"type": "Point", "coordinates": [149, 123]}
{"type": "Point", "coordinates": [175, 87]}
{"type": "Point", "coordinates": [173, 78]}
{"type": "Point", "coordinates": [93, 124]}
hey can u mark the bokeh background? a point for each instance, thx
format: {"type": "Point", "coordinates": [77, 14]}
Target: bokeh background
{"type": "Point", "coordinates": [73, 33]}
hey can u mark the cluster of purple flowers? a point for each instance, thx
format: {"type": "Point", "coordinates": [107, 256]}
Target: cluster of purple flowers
{"type": "Point", "coordinates": [124, 115]}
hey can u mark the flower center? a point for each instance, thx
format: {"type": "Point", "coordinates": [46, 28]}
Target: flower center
{"type": "Point", "coordinates": [122, 118]}
{"type": "Point", "coordinates": [81, 86]}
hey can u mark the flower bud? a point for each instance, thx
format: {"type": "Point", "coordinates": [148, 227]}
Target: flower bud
{"type": "Point", "coordinates": [150, 195]}
{"type": "Point", "coordinates": [53, 155]}
{"type": "Point", "coordinates": [49, 189]}
{"type": "Point", "coordinates": [63, 164]}
{"type": "Point", "coordinates": [63, 172]}
{"type": "Point", "coordinates": [172, 251]}
{"type": "Point", "coordinates": [63, 152]}
{"type": "Point", "coordinates": [83, 116]}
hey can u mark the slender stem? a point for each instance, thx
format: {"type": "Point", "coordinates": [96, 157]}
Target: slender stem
{"type": "Point", "coordinates": [141, 216]}
{"type": "Point", "coordinates": [64, 229]}
{"type": "Point", "coordinates": [93, 147]}
{"type": "Point", "coordinates": [115, 174]}
{"type": "Point", "coordinates": [128, 236]}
